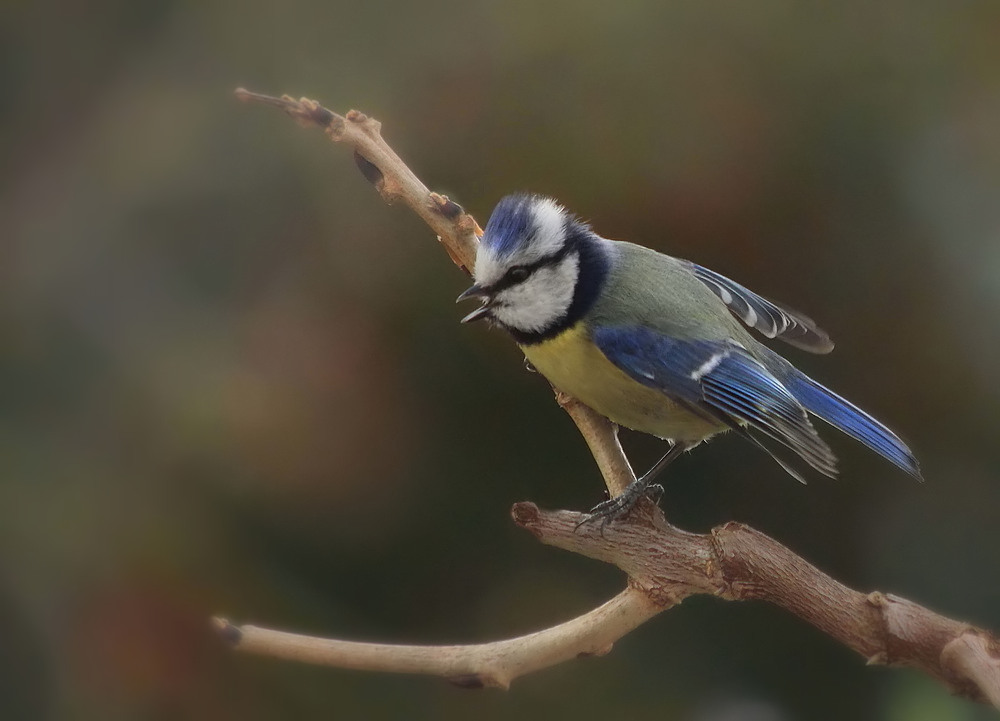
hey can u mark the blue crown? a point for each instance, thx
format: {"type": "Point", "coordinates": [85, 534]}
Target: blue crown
{"type": "Point", "coordinates": [510, 223]}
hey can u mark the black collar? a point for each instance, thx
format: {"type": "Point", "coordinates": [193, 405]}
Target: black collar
{"type": "Point", "coordinates": [593, 272]}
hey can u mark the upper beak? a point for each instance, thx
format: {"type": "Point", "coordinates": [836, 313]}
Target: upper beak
{"type": "Point", "coordinates": [476, 291]}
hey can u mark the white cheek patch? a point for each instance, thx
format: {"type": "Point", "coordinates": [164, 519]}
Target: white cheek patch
{"type": "Point", "coordinates": [540, 301]}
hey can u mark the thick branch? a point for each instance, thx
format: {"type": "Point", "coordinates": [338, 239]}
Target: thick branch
{"type": "Point", "coordinates": [664, 564]}
{"type": "Point", "coordinates": [736, 562]}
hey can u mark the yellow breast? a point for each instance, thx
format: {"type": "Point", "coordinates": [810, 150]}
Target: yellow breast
{"type": "Point", "coordinates": [573, 364]}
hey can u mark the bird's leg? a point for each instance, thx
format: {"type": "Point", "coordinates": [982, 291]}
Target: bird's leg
{"type": "Point", "coordinates": [619, 506]}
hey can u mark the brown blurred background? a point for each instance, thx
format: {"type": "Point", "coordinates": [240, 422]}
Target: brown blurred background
{"type": "Point", "coordinates": [233, 380]}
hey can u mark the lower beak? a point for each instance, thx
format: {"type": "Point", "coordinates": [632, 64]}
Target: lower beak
{"type": "Point", "coordinates": [479, 313]}
{"type": "Point", "coordinates": [476, 291]}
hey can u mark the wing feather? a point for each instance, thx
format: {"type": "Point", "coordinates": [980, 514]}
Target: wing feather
{"type": "Point", "coordinates": [720, 379]}
{"type": "Point", "coordinates": [768, 318]}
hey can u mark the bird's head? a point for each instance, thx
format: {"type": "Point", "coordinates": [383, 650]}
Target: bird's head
{"type": "Point", "coordinates": [538, 268]}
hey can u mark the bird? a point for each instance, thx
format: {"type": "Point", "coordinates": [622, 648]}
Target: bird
{"type": "Point", "coordinates": [658, 344]}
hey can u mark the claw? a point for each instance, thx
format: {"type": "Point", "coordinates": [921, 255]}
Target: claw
{"type": "Point", "coordinates": [620, 506]}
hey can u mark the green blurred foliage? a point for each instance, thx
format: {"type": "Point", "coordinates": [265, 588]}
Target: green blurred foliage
{"type": "Point", "coordinates": [233, 380]}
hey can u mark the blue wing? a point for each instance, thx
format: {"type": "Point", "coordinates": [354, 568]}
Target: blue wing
{"type": "Point", "coordinates": [842, 414]}
{"type": "Point", "coordinates": [767, 317]}
{"type": "Point", "coordinates": [719, 379]}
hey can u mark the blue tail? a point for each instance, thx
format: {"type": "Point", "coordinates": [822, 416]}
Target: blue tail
{"type": "Point", "coordinates": [850, 419]}
{"type": "Point", "coordinates": [842, 414]}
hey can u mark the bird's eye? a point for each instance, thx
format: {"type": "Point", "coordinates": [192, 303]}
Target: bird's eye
{"type": "Point", "coordinates": [518, 273]}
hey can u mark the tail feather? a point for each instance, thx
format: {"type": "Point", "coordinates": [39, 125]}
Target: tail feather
{"type": "Point", "coordinates": [847, 417]}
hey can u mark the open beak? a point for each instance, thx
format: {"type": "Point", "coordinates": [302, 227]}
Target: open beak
{"type": "Point", "coordinates": [476, 291]}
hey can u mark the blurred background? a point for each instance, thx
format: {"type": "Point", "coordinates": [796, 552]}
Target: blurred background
{"type": "Point", "coordinates": [233, 381]}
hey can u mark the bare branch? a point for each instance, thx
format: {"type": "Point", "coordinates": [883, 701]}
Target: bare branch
{"type": "Point", "coordinates": [974, 657]}
{"type": "Point", "coordinates": [736, 562]}
{"type": "Point", "coordinates": [380, 165]}
{"type": "Point", "coordinates": [601, 436]}
{"type": "Point", "coordinates": [475, 665]}
{"type": "Point", "coordinates": [665, 565]}
{"type": "Point", "coordinates": [457, 230]}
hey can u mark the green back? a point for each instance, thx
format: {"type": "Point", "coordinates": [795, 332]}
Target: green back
{"type": "Point", "coordinates": [655, 290]}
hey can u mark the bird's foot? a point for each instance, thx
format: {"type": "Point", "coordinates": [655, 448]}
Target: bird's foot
{"type": "Point", "coordinates": [618, 507]}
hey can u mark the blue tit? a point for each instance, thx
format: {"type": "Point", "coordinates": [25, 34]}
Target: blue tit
{"type": "Point", "coordinates": [658, 344]}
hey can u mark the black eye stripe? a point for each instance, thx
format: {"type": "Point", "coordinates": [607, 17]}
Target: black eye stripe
{"type": "Point", "coordinates": [525, 271]}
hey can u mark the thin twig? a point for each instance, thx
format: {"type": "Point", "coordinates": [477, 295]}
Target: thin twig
{"type": "Point", "coordinates": [457, 230]}
{"type": "Point", "coordinates": [493, 664]}
{"type": "Point", "coordinates": [664, 564]}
